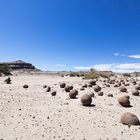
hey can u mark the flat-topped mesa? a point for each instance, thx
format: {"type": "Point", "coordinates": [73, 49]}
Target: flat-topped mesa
{"type": "Point", "coordinates": [18, 65]}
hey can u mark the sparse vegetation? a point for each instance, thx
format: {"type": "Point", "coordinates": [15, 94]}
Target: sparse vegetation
{"type": "Point", "coordinates": [8, 80]}
{"type": "Point", "coordinates": [136, 74]}
{"type": "Point", "coordinates": [74, 74]}
{"type": "Point", "coordinates": [4, 70]}
{"type": "Point", "coordinates": [106, 74]}
{"type": "Point", "coordinates": [91, 75]}
{"type": "Point", "coordinates": [127, 74]}
{"type": "Point", "coordinates": [94, 74]}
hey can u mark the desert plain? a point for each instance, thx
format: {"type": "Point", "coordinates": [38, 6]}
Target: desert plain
{"type": "Point", "coordinates": [34, 114]}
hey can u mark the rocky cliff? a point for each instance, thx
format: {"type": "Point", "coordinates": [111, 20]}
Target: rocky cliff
{"type": "Point", "coordinates": [7, 67]}
{"type": "Point", "coordinates": [17, 65]}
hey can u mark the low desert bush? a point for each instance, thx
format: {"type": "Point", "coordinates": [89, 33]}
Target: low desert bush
{"type": "Point", "coordinates": [74, 74]}
{"type": "Point", "coordinates": [91, 75]}
{"type": "Point", "coordinates": [5, 70]}
{"type": "Point", "coordinates": [106, 74]}
{"type": "Point", "coordinates": [127, 74]}
{"type": "Point", "coordinates": [94, 74]}
{"type": "Point", "coordinates": [8, 80]}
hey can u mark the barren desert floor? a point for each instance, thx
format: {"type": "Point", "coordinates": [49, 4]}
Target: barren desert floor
{"type": "Point", "coordinates": [34, 114]}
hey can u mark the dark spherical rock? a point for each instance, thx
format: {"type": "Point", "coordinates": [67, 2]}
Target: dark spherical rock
{"type": "Point", "coordinates": [100, 93]}
{"type": "Point", "coordinates": [97, 88]}
{"type": "Point", "coordinates": [110, 95]}
{"type": "Point", "coordinates": [68, 88]}
{"type": "Point", "coordinates": [25, 86]}
{"type": "Point", "coordinates": [107, 85]}
{"type": "Point", "coordinates": [123, 89]}
{"type": "Point", "coordinates": [112, 82]}
{"type": "Point", "coordinates": [127, 84]}
{"type": "Point", "coordinates": [86, 100]}
{"type": "Point", "coordinates": [121, 80]}
{"type": "Point", "coordinates": [45, 86]}
{"type": "Point", "coordinates": [73, 94]}
{"type": "Point", "coordinates": [135, 92]}
{"type": "Point", "coordinates": [62, 85]}
{"type": "Point", "coordinates": [48, 89]}
{"type": "Point", "coordinates": [123, 83]}
{"type": "Point", "coordinates": [85, 86]}
{"type": "Point", "coordinates": [53, 93]}
{"type": "Point", "coordinates": [89, 85]}
{"type": "Point", "coordinates": [116, 85]}
{"type": "Point", "coordinates": [82, 88]}
{"type": "Point", "coordinates": [137, 87]}
{"type": "Point", "coordinates": [92, 82]}
{"type": "Point", "coordinates": [129, 119]}
{"type": "Point", "coordinates": [119, 84]}
{"type": "Point", "coordinates": [134, 83]}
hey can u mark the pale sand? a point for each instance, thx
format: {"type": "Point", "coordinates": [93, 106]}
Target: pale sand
{"type": "Point", "coordinates": [60, 117]}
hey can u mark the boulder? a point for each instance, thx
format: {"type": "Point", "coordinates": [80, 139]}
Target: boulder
{"type": "Point", "coordinates": [73, 94]}
{"type": "Point", "coordinates": [68, 88]}
{"type": "Point", "coordinates": [123, 89]}
{"type": "Point", "coordinates": [124, 101]}
{"type": "Point", "coordinates": [100, 93]}
{"type": "Point", "coordinates": [129, 119]}
{"type": "Point", "coordinates": [62, 85]}
{"type": "Point", "coordinates": [86, 100]}
{"type": "Point", "coordinates": [97, 88]}
{"type": "Point", "coordinates": [135, 92]}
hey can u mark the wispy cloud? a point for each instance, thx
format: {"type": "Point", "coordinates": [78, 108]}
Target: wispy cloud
{"type": "Point", "coordinates": [61, 65]}
{"type": "Point", "coordinates": [116, 54]}
{"type": "Point", "coordinates": [123, 54]}
{"type": "Point", "coordinates": [83, 67]}
{"type": "Point", "coordinates": [104, 67]}
{"type": "Point", "coordinates": [119, 54]}
{"type": "Point", "coordinates": [121, 68]}
{"type": "Point", "coordinates": [134, 66]}
{"type": "Point", "coordinates": [136, 56]}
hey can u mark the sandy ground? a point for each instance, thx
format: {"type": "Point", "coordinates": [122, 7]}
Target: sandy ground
{"type": "Point", "coordinates": [33, 114]}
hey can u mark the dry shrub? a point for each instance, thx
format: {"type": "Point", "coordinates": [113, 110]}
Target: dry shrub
{"type": "Point", "coordinates": [4, 70]}
{"type": "Point", "coordinates": [91, 75]}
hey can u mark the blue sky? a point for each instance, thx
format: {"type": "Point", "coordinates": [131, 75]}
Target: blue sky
{"type": "Point", "coordinates": [71, 34]}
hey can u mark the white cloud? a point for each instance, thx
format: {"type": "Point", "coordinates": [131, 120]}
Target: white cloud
{"type": "Point", "coordinates": [129, 66]}
{"type": "Point", "coordinates": [121, 68]}
{"type": "Point", "coordinates": [104, 67]}
{"type": "Point", "coordinates": [83, 67]}
{"type": "Point", "coordinates": [136, 56]}
{"type": "Point", "coordinates": [126, 67]}
{"type": "Point", "coordinates": [116, 54]}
